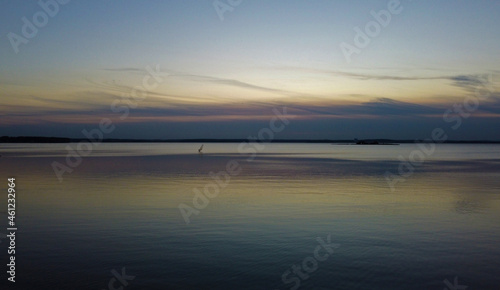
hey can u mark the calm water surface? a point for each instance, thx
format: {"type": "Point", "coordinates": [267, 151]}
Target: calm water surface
{"type": "Point", "coordinates": [120, 209]}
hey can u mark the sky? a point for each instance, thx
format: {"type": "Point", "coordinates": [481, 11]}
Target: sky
{"type": "Point", "coordinates": [220, 69]}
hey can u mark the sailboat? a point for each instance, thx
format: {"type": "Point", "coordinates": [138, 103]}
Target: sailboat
{"type": "Point", "coordinates": [201, 148]}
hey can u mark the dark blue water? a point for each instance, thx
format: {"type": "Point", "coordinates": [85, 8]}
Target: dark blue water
{"type": "Point", "coordinates": [119, 211]}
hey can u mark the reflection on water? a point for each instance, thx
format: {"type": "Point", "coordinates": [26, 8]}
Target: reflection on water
{"type": "Point", "coordinates": [119, 208]}
{"type": "Point", "coordinates": [469, 206]}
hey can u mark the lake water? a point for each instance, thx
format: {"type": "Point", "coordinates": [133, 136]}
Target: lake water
{"type": "Point", "coordinates": [297, 216]}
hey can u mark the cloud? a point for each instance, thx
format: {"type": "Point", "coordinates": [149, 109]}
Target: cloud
{"type": "Point", "coordinates": [125, 69]}
{"type": "Point", "coordinates": [492, 104]}
{"type": "Point", "coordinates": [468, 82]}
{"type": "Point", "coordinates": [82, 99]}
{"type": "Point", "coordinates": [231, 82]}
{"type": "Point", "coordinates": [386, 106]}
{"type": "Point", "coordinates": [236, 83]}
{"type": "Point", "coordinates": [321, 111]}
{"type": "Point", "coordinates": [361, 76]}
{"type": "Point", "coordinates": [380, 107]}
{"type": "Point", "coordinates": [472, 82]}
{"type": "Point", "coordinates": [383, 77]}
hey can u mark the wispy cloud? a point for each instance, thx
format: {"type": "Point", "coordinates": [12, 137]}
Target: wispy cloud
{"type": "Point", "coordinates": [124, 69]}
{"type": "Point", "coordinates": [361, 76]}
{"type": "Point", "coordinates": [465, 81]}
{"type": "Point", "coordinates": [472, 82]}
{"type": "Point", "coordinates": [379, 107]}
{"type": "Point", "coordinates": [230, 82]}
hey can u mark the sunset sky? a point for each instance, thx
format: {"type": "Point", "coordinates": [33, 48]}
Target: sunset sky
{"type": "Point", "coordinates": [222, 77]}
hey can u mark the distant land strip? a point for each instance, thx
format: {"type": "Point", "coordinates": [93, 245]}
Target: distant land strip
{"type": "Point", "coordinates": [35, 139]}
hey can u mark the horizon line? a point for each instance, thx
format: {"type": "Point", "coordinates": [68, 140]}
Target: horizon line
{"type": "Point", "coordinates": [52, 139]}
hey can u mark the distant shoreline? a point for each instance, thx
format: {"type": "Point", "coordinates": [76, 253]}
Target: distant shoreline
{"type": "Point", "coordinates": [34, 139]}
